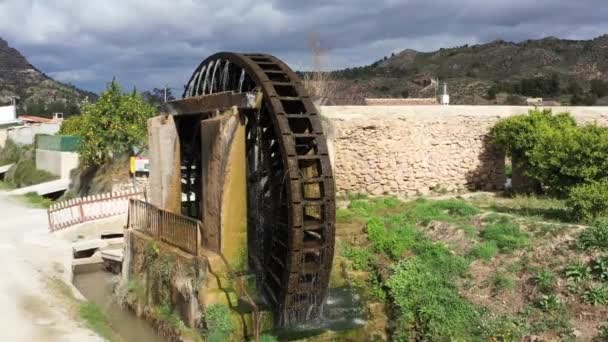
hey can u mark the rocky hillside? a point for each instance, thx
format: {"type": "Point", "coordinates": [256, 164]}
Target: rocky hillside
{"type": "Point", "coordinates": [38, 93]}
{"type": "Point", "coordinates": [550, 67]}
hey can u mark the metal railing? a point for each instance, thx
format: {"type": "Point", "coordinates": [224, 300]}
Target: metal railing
{"type": "Point", "coordinates": [71, 212]}
{"type": "Point", "coordinates": [177, 230]}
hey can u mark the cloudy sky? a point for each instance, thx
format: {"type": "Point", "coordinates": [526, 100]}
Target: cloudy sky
{"type": "Point", "coordinates": [149, 43]}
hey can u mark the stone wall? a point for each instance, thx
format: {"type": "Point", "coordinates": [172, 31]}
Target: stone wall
{"type": "Point", "coordinates": [417, 150]}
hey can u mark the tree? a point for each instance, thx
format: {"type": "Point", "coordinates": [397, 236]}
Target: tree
{"type": "Point", "coordinates": [113, 126]}
{"type": "Point", "coordinates": [599, 88]}
{"type": "Point", "coordinates": [156, 96]}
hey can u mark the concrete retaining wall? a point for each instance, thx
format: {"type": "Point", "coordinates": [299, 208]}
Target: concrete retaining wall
{"type": "Point", "coordinates": [416, 150]}
{"type": "Point", "coordinates": [24, 135]}
{"type": "Point", "coordinates": [57, 163]}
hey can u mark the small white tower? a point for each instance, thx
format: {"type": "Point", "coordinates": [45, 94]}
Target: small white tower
{"type": "Point", "coordinates": [444, 99]}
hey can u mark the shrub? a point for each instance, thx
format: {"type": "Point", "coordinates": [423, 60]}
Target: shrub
{"type": "Point", "coordinates": [24, 173]}
{"type": "Point", "coordinates": [568, 156]}
{"type": "Point", "coordinates": [596, 236]}
{"type": "Point", "coordinates": [589, 201]}
{"type": "Point", "coordinates": [519, 134]}
{"type": "Point", "coordinates": [110, 127]}
{"type": "Point", "coordinates": [10, 153]}
{"type": "Point", "coordinates": [553, 151]}
{"type": "Point", "coordinates": [507, 235]}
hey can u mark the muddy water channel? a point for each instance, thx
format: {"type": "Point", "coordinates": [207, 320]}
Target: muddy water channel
{"type": "Point", "coordinates": [98, 286]}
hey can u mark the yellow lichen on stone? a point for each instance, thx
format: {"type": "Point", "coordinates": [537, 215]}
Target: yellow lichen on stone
{"type": "Point", "coordinates": [234, 203]}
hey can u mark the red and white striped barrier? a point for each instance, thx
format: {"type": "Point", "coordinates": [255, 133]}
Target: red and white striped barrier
{"type": "Point", "coordinates": [68, 213]}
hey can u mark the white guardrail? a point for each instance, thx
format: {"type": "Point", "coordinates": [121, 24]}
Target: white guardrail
{"type": "Point", "coordinates": [68, 213]}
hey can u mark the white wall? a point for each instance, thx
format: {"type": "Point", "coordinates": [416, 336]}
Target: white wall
{"type": "Point", "coordinates": [56, 162]}
{"type": "Point", "coordinates": [24, 135]}
{"type": "Point", "coordinates": [8, 114]}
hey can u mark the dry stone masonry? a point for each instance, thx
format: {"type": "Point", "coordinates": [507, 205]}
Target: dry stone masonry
{"type": "Point", "coordinates": [418, 150]}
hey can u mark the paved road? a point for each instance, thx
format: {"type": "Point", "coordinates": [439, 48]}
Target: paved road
{"type": "Point", "coordinates": [30, 310]}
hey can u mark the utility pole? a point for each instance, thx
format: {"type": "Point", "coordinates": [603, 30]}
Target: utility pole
{"type": "Point", "coordinates": [165, 93]}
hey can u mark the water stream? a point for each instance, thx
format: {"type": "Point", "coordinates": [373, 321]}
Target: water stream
{"type": "Point", "coordinates": [344, 309]}
{"type": "Point", "coordinates": [98, 286]}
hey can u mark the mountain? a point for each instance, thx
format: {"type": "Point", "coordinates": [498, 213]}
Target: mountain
{"type": "Point", "coordinates": [38, 93]}
{"type": "Point", "coordinates": [564, 70]}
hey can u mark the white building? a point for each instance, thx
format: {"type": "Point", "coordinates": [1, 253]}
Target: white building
{"type": "Point", "coordinates": [8, 114]}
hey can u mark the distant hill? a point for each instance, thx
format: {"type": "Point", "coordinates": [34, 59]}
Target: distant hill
{"type": "Point", "coordinates": [564, 70]}
{"type": "Point", "coordinates": [39, 94]}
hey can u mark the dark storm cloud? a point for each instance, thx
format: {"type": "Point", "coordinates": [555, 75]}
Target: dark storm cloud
{"type": "Point", "coordinates": [151, 43]}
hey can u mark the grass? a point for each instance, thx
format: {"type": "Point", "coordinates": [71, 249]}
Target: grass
{"type": "Point", "coordinates": [506, 234]}
{"type": "Point", "coordinates": [89, 313]}
{"type": "Point", "coordinates": [36, 201]}
{"type": "Point", "coordinates": [485, 251]}
{"type": "Point", "coordinates": [539, 208]}
{"type": "Point", "coordinates": [545, 280]}
{"type": "Point", "coordinates": [96, 320]}
{"type": "Point", "coordinates": [218, 321]}
{"type": "Point", "coordinates": [577, 272]}
{"type": "Point", "coordinates": [595, 237]}
{"type": "Point", "coordinates": [502, 282]}
{"type": "Point", "coordinates": [425, 283]}
{"type": "Point", "coordinates": [5, 186]}
{"type": "Point", "coordinates": [361, 259]}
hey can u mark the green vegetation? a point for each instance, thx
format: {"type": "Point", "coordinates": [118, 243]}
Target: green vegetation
{"type": "Point", "coordinates": [36, 200]}
{"type": "Point", "coordinates": [167, 314]}
{"type": "Point", "coordinates": [428, 272]}
{"type": "Point", "coordinates": [533, 87]}
{"type": "Point", "coordinates": [361, 259]}
{"type": "Point", "coordinates": [505, 234]}
{"type": "Point", "coordinates": [596, 295]}
{"type": "Point", "coordinates": [600, 268]}
{"type": "Point", "coordinates": [560, 158]}
{"type": "Point", "coordinates": [23, 172]}
{"type": "Point", "coordinates": [503, 281]}
{"type": "Point", "coordinates": [96, 320]}
{"type": "Point", "coordinates": [485, 251]}
{"type": "Point", "coordinates": [218, 322]}
{"type": "Point", "coordinates": [111, 127]}
{"type": "Point", "coordinates": [589, 201]}
{"type": "Point", "coordinates": [596, 236]}
{"type": "Point", "coordinates": [545, 280]}
{"type": "Point", "coordinates": [10, 153]}
{"type": "Point", "coordinates": [577, 272]}
{"type": "Point", "coordinates": [428, 302]}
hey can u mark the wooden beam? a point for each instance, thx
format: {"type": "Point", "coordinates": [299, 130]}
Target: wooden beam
{"type": "Point", "coordinates": [210, 103]}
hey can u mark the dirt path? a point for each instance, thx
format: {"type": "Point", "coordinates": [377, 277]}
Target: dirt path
{"type": "Point", "coordinates": [29, 258]}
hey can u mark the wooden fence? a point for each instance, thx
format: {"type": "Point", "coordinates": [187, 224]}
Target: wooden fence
{"type": "Point", "coordinates": [68, 213]}
{"type": "Point", "coordinates": [177, 230]}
